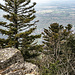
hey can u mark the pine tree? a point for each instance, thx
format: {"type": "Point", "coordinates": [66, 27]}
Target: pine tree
{"type": "Point", "coordinates": [21, 15]}
{"type": "Point", "coordinates": [69, 50]}
{"type": "Point", "coordinates": [59, 46]}
{"type": "Point", "coordinates": [52, 37]}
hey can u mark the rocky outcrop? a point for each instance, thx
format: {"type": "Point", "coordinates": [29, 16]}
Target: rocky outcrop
{"type": "Point", "coordinates": [9, 56]}
{"type": "Point", "coordinates": [12, 63]}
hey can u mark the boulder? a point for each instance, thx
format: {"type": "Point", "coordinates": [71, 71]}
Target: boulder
{"type": "Point", "coordinates": [12, 63]}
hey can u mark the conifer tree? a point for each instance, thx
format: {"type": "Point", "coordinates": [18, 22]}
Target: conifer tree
{"type": "Point", "coordinates": [20, 14]}
{"type": "Point", "coordinates": [59, 45]}
{"type": "Point", "coordinates": [52, 39]}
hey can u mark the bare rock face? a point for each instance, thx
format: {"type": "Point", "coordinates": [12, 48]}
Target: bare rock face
{"type": "Point", "coordinates": [12, 63]}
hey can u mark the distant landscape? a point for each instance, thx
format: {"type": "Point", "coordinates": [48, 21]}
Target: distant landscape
{"type": "Point", "coordinates": [52, 12]}
{"type": "Point", "coordinates": [58, 12]}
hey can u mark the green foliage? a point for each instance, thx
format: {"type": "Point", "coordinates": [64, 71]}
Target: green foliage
{"type": "Point", "coordinates": [59, 45]}
{"type": "Point", "coordinates": [52, 70]}
{"type": "Point", "coordinates": [20, 15]}
{"type": "Point", "coordinates": [54, 27]}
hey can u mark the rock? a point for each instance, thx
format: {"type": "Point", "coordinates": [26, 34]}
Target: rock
{"type": "Point", "coordinates": [12, 63]}
{"type": "Point", "coordinates": [9, 56]}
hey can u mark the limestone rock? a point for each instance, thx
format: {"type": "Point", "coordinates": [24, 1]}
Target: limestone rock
{"type": "Point", "coordinates": [12, 63]}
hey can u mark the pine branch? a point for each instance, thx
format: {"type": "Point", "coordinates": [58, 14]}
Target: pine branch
{"type": "Point", "coordinates": [4, 8]}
